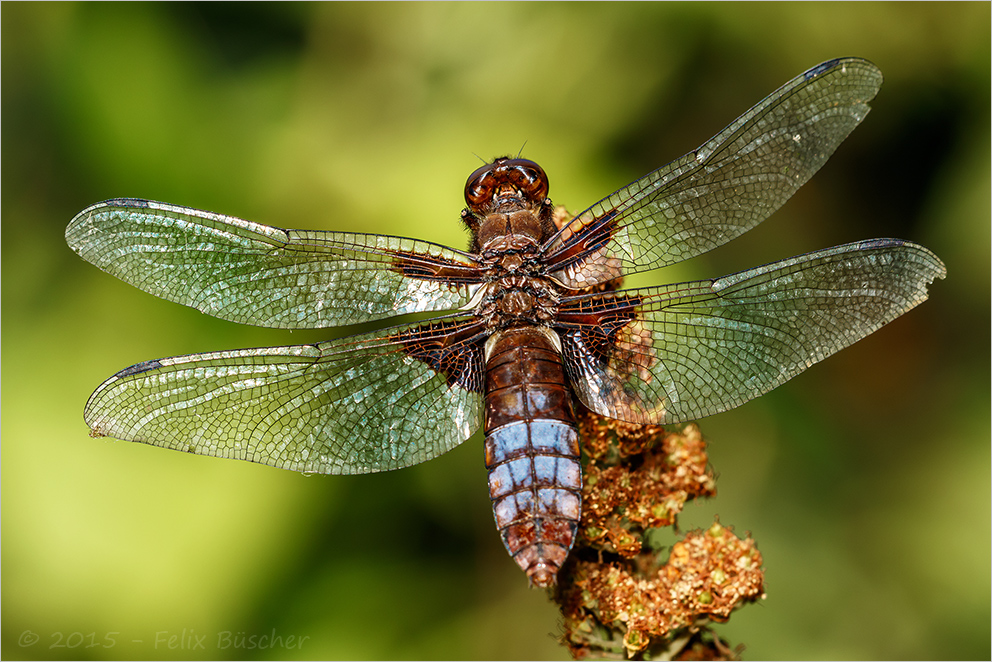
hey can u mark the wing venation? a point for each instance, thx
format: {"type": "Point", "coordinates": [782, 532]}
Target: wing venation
{"type": "Point", "coordinates": [727, 186]}
{"type": "Point", "coordinates": [686, 351]}
{"type": "Point", "coordinates": [356, 405]}
{"type": "Point", "coordinates": [256, 274]}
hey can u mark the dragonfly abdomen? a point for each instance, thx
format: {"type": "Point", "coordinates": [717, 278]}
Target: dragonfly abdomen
{"type": "Point", "coordinates": [532, 451]}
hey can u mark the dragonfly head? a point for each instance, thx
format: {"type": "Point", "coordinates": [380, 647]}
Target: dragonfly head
{"type": "Point", "coordinates": [506, 182]}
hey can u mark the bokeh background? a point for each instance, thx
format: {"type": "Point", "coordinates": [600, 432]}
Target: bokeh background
{"type": "Point", "coordinates": [865, 481]}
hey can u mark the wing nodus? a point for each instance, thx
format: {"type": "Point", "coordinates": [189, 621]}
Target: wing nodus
{"type": "Point", "coordinates": [532, 450]}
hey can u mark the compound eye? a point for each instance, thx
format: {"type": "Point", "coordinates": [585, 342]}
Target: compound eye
{"type": "Point", "coordinates": [528, 177]}
{"type": "Point", "coordinates": [479, 187]}
{"type": "Point", "coordinates": [504, 177]}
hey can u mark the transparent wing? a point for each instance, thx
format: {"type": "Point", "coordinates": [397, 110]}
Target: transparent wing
{"type": "Point", "coordinates": [726, 187]}
{"type": "Point", "coordinates": [363, 404]}
{"type": "Point", "coordinates": [681, 352]}
{"type": "Point", "coordinates": [256, 274]}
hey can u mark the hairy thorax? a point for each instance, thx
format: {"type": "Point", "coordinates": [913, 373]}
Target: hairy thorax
{"type": "Point", "coordinates": [517, 292]}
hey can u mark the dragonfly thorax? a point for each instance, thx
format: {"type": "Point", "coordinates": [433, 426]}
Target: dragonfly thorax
{"type": "Point", "coordinates": [516, 299]}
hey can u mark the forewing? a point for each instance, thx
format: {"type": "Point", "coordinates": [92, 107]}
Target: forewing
{"type": "Point", "coordinates": [256, 274]}
{"type": "Point", "coordinates": [356, 405]}
{"type": "Point", "coordinates": [730, 184]}
{"type": "Point", "coordinates": [682, 352]}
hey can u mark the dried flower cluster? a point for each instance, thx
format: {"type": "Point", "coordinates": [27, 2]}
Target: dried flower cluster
{"type": "Point", "coordinates": [618, 596]}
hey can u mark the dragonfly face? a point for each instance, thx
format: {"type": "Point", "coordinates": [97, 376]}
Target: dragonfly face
{"type": "Point", "coordinates": [531, 327]}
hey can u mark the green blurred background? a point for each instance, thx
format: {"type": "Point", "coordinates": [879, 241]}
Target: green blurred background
{"type": "Point", "coordinates": [865, 481]}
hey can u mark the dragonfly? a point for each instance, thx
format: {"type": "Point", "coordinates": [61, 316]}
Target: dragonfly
{"type": "Point", "coordinates": [527, 326]}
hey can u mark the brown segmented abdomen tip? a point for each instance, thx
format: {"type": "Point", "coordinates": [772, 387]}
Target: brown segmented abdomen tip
{"type": "Point", "coordinates": [542, 575]}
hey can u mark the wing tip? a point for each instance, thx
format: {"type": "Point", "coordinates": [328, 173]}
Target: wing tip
{"type": "Point", "coordinates": [843, 63]}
